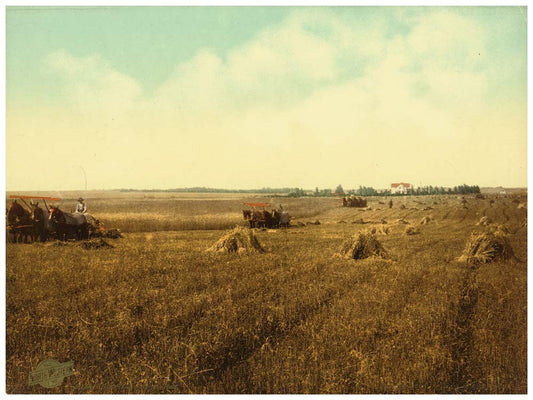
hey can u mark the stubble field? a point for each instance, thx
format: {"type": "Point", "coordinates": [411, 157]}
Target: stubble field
{"type": "Point", "coordinates": [158, 314]}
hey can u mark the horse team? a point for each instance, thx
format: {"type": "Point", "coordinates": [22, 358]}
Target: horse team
{"type": "Point", "coordinates": [266, 219]}
{"type": "Point", "coordinates": [25, 226]}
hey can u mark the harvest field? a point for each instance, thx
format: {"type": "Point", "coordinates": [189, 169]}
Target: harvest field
{"type": "Point", "coordinates": [157, 313]}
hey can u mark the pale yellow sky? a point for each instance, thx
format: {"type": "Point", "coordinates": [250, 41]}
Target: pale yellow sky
{"type": "Point", "coordinates": [316, 97]}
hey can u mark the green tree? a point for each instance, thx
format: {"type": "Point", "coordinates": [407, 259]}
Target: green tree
{"type": "Point", "coordinates": [339, 189]}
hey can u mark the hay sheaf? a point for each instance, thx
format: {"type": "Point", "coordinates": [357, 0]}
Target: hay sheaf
{"type": "Point", "coordinates": [499, 230]}
{"type": "Point", "coordinates": [401, 221]}
{"type": "Point", "coordinates": [95, 244]}
{"type": "Point", "coordinates": [425, 220]}
{"type": "Point", "coordinates": [379, 230]}
{"type": "Point", "coordinates": [486, 247]}
{"type": "Point", "coordinates": [113, 233]}
{"type": "Point", "coordinates": [362, 245]}
{"type": "Point", "coordinates": [411, 230]}
{"type": "Point", "coordinates": [237, 240]}
{"type": "Point", "coordinates": [484, 221]}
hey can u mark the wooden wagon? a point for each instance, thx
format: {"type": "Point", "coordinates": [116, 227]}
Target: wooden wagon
{"type": "Point", "coordinates": [259, 217]}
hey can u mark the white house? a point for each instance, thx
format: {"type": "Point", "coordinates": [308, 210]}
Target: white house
{"type": "Point", "coordinates": [400, 188]}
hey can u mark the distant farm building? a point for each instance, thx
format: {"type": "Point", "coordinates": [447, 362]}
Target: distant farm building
{"type": "Point", "coordinates": [400, 188]}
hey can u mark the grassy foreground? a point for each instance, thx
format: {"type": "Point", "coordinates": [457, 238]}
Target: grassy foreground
{"type": "Point", "coordinates": [159, 314]}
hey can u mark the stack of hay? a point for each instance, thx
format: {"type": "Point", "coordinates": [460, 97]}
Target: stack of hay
{"type": "Point", "coordinates": [113, 233]}
{"type": "Point", "coordinates": [425, 220]}
{"type": "Point", "coordinates": [401, 221]}
{"type": "Point", "coordinates": [499, 230]}
{"type": "Point", "coordinates": [380, 230]}
{"type": "Point", "coordinates": [486, 247]}
{"type": "Point", "coordinates": [411, 230]}
{"type": "Point", "coordinates": [362, 245]}
{"type": "Point", "coordinates": [95, 244]}
{"type": "Point", "coordinates": [237, 240]}
{"type": "Point", "coordinates": [484, 221]}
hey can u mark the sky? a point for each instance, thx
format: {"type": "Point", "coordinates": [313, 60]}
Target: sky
{"type": "Point", "coordinates": [253, 97]}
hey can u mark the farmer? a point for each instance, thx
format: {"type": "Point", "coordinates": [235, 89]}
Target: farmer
{"type": "Point", "coordinates": [81, 207]}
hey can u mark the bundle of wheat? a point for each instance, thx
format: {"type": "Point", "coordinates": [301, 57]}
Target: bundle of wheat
{"type": "Point", "coordinates": [113, 233]}
{"type": "Point", "coordinates": [486, 247]}
{"type": "Point", "coordinates": [484, 221]}
{"type": "Point", "coordinates": [401, 221]}
{"type": "Point", "coordinates": [362, 245]}
{"type": "Point", "coordinates": [379, 230]}
{"type": "Point", "coordinates": [411, 230]}
{"type": "Point", "coordinates": [95, 244]}
{"type": "Point", "coordinates": [238, 240]}
{"type": "Point", "coordinates": [425, 220]}
{"type": "Point", "coordinates": [499, 230]}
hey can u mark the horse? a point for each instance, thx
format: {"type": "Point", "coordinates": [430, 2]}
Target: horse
{"type": "Point", "coordinates": [258, 218]}
{"type": "Point", "coordinates": [270, 220]}
{"type": "Point", "coordinates": [42, 226]}
{"type": "Point", "coordinates": [68, 224]}
{"type": "Point", "coordinates": [247, 215]}
{"type": "Point", "coordinates": [20, 223]}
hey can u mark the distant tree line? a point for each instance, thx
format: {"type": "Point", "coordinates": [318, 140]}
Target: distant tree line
{"type": "Point", "coordinates": [213, 190]}
{"type": "Point", "coordinates": [370, 191]}
{"type": "Point", "coordinates": [435, 190]}
{"type": "Point", "coordinates": [339, 191]}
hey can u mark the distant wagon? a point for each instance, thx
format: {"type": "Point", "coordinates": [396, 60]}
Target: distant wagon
{"type": "Point", "coordinates": [352, 201]}
{"type": "Point", "coordinates": [258, 216]}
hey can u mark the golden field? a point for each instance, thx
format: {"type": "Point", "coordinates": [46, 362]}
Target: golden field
{"type": "Point", "coordinates": [158, 314]}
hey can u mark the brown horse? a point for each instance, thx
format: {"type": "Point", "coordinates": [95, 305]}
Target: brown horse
{"type": "Point", "coordinates": [247, 215]}
{"type": "Point", "coordinates": [42, 226]}
{"type": "Point", "coordinates": [20, 223]}
{"type": "Point", "coordinates": [69, 225]}
{"type": "Point", "coordinates": [255, 218]}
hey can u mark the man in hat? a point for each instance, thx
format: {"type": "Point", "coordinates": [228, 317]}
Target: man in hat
{"type": "Point", "coordinates": [81, 207]}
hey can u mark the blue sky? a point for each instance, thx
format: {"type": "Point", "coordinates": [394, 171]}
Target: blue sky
{"type": "Point", "coordinates": [247, 97]}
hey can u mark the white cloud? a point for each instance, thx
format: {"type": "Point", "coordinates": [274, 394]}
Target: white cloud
{"type": "Point", "coordinates": [313, 101]}
{"type": "Point", "coordinates": [92, 85]}
{"type": "Point", "coordinates": [448, 41]}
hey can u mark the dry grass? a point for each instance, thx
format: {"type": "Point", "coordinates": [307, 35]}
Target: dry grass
{"type": "Point", "coordinates": [159, 314]}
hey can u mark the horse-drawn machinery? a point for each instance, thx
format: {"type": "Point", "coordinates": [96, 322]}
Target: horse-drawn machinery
{"type": "Point", "coordinates": [31, 223]}
{"type": "Point", "coordinates": [259, 217]}
{"type": "Point", "coordinates": [352, 201]}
